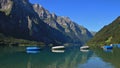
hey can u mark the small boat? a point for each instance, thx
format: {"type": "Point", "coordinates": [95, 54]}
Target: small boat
{"type": "Point", "coordinates": [32, 48]}
{"type": "Point", "coordinates": [115, 45]}
{"type": "Point", "coordinates": [58, 47]}
{"type": "Point", "coordinates": [84, 47]}
{"type": "Point", "coordinates": [107, 47]}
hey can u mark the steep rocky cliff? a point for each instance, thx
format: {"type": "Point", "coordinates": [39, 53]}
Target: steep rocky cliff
{"type": "Point", "coordinates": [21, 19]}
{"type": "Point", "coordinates": [63, 24]}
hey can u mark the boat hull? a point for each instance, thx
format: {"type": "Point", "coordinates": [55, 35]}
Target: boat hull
{"type": "Point", "coordinates": [32, 48]}
{"type": "Point", "coordinates": [84, 47]}
{"type": "Point", "coordinates": [58, 48]}
{"type": "Point", "coordinates": [107, 47]}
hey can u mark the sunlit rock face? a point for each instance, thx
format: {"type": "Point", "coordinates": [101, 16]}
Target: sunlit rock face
{"type": "Point", "coordinates": [21, 19]}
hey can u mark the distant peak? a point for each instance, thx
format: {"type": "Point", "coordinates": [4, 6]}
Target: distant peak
{"type": "Point", "coordinates": [54, 15]}
{"type": "Point", "coordinates": [26, 0]}
{"type": "Point", "coordinates": [21, 0]}
{"type": "Point", "coordinates": [66, 18]}
{"type": "Point", "coordinates": [37, 5]}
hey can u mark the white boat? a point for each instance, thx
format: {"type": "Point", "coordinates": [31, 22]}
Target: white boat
{"type": "Point", "coordinates": [58, 47]}
{"type": "Point", "coordinates": [84, 47]}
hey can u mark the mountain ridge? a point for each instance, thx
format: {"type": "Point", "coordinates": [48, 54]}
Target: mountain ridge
{"type": "Point", "coordinates": [33, 22]}
{"type": "Point", "coordinates": [109, 34]}
{"type": "Point", "coordinates": [64, 24]}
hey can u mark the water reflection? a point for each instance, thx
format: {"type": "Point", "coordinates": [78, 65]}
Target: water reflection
{"type": "Point", "coordinates": [73, 58]}
{"type": "Point", "coordinates": [43, 59]}
{"type": "Point", "coordinates": [95, 62]}
{"type": "Point", "coordinates": [32, 52]}
{"type": "Point", "coordinates": [58, 60]}
{"type": "Point", "coordinates": [108, 50]}
{"type": "Point", "coordinates": [58, 51]}
{"type": "Point", "coordinates": [84, 50]}
{"type": "Point", "coordinates": [111, 57]}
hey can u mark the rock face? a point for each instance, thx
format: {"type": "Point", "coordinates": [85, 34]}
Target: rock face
{"type": "Point", "coordinates": [21, 19]}
{"type": "Point", "coordinates": [63, 24]}
{"type": "Point", "coordinates": [109, 34]}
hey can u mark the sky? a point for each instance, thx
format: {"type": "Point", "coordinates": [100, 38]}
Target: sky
{"type": "Point", "coordinates": [92, 14]}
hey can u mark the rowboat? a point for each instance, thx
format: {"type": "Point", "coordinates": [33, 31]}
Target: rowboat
{"type": "Point", "coordinates": [32, 48]}
{"type": "Point", "coordinates": [58, 48]}
{"type": "Point", "coordinates": [107, 47]}
{"type": "Point", "coordinates": [84, 47]}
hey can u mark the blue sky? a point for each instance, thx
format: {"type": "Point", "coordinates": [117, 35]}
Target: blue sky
{"type": "Point", "coordinates": [92, 14]}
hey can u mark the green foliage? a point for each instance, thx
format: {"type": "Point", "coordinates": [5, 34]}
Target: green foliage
{"type": "Point", "coordinates": [108, 40]}
{"type": "Point", "coordinates": [109, 34]}
{"type": "Point", "coordinates": [17, 42]}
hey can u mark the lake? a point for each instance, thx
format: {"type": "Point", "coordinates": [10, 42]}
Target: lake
{"type": "Point", "coordinates": [17, 57]}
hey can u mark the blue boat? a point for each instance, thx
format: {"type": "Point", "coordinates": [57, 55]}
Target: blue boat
{"type": "Point", "coordinates": [33, 48]}
{"type": "Point", "coordinates": [107, 47]}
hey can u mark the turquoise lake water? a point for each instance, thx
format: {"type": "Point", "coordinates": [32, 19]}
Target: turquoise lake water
{"type": "Point", "coordinates": [17, 57]}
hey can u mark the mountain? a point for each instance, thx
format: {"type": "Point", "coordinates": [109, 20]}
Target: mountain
{"type": "Point", "coordinates": [63, 24]}
{"type": "Point", "coordinates": [93, 33]}
{"type": "Point", "coordinates": [109, 34]}
{"type": "Point", "coordinates": [22, 20]}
